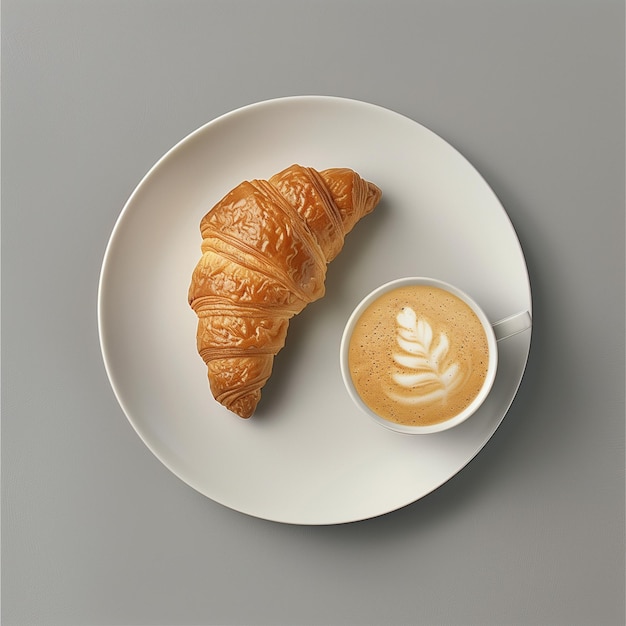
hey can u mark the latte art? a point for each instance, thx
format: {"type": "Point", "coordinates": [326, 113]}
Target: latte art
{"type": "Point", "coordinates": [418, 355]}
{"type": "Point", "coordinates": [425, 374]}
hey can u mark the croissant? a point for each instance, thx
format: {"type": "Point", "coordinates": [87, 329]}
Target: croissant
{"type": "Point", "coordinates": [265, 248]}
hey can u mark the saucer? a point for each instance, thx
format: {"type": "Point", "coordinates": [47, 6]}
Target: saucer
{"type": "Point", "coordinates": [307, 456]}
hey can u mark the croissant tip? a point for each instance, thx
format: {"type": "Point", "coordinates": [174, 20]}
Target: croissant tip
{"type": "Point", "coordinates": [374, 194]}
{"type": "Point", "coordinates": [245, 406]}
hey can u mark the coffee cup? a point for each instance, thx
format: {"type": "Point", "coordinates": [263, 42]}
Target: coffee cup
{"type": "Point", "coordinates": [419, 355]}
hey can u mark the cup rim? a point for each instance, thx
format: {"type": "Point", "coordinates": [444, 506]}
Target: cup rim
{"type": "Point", "coordinates": [491, 341]}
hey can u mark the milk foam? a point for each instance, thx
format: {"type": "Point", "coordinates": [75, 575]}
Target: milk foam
{"type": "Point", "coordinates": [425, 375]}
{"type": "Point", "coordinates": [418, 355]}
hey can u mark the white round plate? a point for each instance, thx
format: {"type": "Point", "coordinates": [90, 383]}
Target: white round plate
{"type": "Point", "coordinates": [308, 455]}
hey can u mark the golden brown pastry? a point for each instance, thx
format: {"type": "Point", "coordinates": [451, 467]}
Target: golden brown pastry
{"type": "Point", "coordinates": [265, 247]}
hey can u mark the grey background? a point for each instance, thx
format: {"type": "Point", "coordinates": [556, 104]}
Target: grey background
{"type": "Point", "coordinates": [95, 530]}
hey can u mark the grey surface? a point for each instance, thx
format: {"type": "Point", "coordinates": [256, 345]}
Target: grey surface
{"type": "Point", "coordinates": [95, 530]}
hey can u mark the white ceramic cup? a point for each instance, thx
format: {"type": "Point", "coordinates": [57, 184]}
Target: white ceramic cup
{"type": "Point", "coordinates": [494, 332]}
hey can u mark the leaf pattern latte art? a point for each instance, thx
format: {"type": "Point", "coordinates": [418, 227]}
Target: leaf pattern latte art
{"type": "Point", "coordinates": [424, 375]}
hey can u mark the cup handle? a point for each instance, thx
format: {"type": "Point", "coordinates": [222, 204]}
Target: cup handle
{"type": "Point", "coordinates": [512, 325]}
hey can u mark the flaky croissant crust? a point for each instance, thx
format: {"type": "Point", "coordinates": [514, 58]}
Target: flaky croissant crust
{"type": "Point", "coordinates": [265, 248]}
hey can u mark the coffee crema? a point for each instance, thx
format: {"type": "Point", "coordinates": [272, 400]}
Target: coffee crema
{"type": "Point", "coordinates": [418, 355]}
